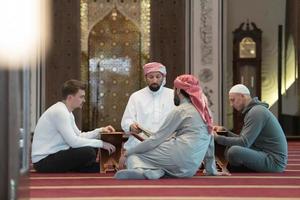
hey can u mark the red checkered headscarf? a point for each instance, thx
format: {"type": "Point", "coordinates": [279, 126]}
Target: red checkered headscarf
{"type": "Point", "coordinates": [190, 85]}
{"type": "Point", "coordinates": [154, 67]}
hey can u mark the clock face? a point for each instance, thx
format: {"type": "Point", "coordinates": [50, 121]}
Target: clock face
{"type": "Point", "coordinates": [247, 48]}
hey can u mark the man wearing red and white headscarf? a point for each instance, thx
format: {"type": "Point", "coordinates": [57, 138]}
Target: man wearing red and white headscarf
{"type": "Point", "coordinates": [148, 107]}
{"type": "Point", "coordinates": [181, 144]}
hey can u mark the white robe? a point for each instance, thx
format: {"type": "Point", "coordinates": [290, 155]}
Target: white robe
{"type": "Point", "coordinates": [178, 147]}
{"type": "Point", "coordinates": [147, 108]}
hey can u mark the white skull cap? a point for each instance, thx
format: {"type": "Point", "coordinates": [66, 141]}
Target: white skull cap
{"type": "Point", "coordinates": [239, 88]}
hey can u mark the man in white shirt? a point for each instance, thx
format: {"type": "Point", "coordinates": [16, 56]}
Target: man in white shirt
{"type": "Point", "coordinates": [148, 107]}
{"type": "Point", "coordinates": [58, 145]}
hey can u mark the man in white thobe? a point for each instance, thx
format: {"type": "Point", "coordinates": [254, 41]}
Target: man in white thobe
{"type": "Point", "coordinates": [181, 144]}
{"type": "Point", "coordinates": [148, 107]}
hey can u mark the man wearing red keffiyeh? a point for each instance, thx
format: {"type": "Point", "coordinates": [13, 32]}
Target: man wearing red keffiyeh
{"type": "Point", "coordinates": [190, 85]}
{"type": "Point", "coordinates": [181, 144]}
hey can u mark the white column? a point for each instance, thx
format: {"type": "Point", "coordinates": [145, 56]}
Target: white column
{"type": "Point", "coordinates": [206, 51]}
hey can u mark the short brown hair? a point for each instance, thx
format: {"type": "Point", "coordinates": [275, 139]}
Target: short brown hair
{"type": "Point", "coordinates": [71, 87]}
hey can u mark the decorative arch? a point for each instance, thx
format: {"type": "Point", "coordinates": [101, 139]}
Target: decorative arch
{"type": "Point", "coordinates": [114, 66]}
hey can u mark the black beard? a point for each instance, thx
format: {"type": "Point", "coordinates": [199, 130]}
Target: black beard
{"type": "Point", "coordinates": [176, 100]}
{"type": "Point", "coordinates": [154, 87]}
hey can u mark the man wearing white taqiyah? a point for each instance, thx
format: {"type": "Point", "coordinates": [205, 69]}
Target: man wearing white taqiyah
{"type": "Point", "coordinates": [148, 107]}
{"type": "Point", "coordinates": [58, 145]}
{"type": "Point", "coordinates": [261, 146]}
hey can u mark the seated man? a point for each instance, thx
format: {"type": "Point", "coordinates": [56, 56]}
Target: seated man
{"type": "Point", "coordinates": [182, 142]}
{"type": "Point", "coordinates": [261, 145]}
{"type": "Point", "coordinates": [58, 145]}
{"type": "Point", "coordinates": [149, 106]}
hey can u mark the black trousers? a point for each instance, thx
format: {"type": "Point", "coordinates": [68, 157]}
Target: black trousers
{"type": "Point", "coordinates": [81, 159]}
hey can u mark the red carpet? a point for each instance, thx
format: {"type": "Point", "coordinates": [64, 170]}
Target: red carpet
{"type": "Point", "coordinates": [238, 186]}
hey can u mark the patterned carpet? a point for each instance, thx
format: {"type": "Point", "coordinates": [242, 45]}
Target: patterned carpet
{"type": "Point", "coordinates": [237, 186]}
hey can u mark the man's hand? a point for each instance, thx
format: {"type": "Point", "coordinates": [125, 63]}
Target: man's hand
{"type": "Point", "coordinates": [218, 128]}
{"type": "Point", "coordinates": [109, 147]}
{"type": "Point", "coordinates": [108, 129]}
{"type": "Point", "coordinates": [135, 128]}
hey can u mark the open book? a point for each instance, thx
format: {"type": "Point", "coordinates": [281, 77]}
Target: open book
{"type": "Point", "coordinates": [144, 134]}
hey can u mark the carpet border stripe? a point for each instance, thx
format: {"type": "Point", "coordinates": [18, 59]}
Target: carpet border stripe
{"type": "Point", "coordinates": [167, 198]}
{"type": "Point", "coordinates": [163, 186]}
{"type": "Point", "coordinates": [194, 177]}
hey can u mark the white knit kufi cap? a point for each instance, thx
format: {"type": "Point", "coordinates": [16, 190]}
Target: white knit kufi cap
{"type": "Point", "coordinates": [239, 88]}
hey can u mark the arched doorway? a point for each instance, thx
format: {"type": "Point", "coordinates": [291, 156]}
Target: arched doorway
{"type": "Point", "coordinates": [115, 46]}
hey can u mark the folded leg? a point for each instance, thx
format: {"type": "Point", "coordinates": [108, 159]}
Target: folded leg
{"type": "Point", "coordinates": [154, 173]}
{"type": "Point", "coordinates": [130, 174]}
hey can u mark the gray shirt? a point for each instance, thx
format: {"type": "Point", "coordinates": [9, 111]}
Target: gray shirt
{"type": "Point", "coordinates": [261, 131]}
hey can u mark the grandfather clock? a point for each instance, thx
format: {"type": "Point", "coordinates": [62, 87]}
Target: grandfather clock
{"type": "Point", "coordinates": [246, 63]}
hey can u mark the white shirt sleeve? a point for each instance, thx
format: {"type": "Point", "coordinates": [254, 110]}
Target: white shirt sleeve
{"type": "Point", "coordinates": [65, 125]}
{"type": "Point", "coordinates": [129, 116]}
{"type": "Point", "coordinates": [94, 134]}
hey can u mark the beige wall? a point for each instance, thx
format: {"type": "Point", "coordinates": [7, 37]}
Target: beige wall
{"type": "Point", "coordinates": [267, 15]}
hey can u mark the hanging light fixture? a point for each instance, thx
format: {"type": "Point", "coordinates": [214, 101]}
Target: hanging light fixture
{"type": "Point", "coordinates": [114, 14]}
